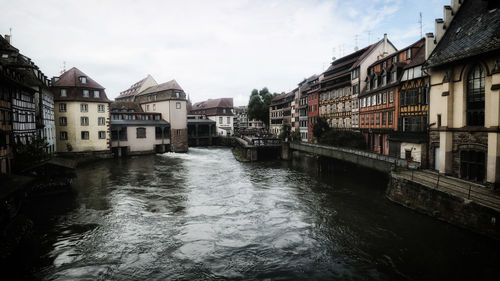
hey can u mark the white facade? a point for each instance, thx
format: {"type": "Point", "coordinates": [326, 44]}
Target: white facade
{"type": "Point", "coordinates": [224, 124]}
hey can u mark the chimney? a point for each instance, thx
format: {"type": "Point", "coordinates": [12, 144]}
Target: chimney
{"type": "Point", "coordinates": [7, 37]}
{"type": "Point", "coordinates": [385, 45]}
{"type": "Point", "coordinates": [430, 44]}
{"type": "Point", "coordinates": [448, 16]}
{"type": "Point", "coordinates": [439, 29]}
{"type": "Point", "coordinates": [455, 5]}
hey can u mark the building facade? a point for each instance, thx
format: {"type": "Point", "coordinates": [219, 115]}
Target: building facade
{"type": "Point", "coordinates": [465, 92]}
{"type": "Point", "coordinates": [380, 100]}
{"type": "Point", "coordinates": [343, 81]}
{"type": "Point", "coordinates": [140, 86]}
{"type": "Point", "coordinates": [81, 113]}
{"type": "Point", "coordinates": [136, 132]}
{"type": "Point", "coordinates": [170, 100]}
{"type": "Point", "coordinates": [312, 106]}
{"type": "Point", "coordinates": [280, 112]}
{"type": "Point", "coordinates": [219, 110]}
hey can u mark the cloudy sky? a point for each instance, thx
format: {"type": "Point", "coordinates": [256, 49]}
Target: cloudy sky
{"type": "Point", "coordinates": [216, 48]}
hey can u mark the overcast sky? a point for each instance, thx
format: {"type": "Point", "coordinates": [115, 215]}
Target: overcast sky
{"type": "Point", "coordinates": [212, 48]}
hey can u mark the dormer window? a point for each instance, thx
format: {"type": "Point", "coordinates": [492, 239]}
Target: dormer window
{"type": "Point", "coordinates": [384, 64]}
{"type": "Point", "coordinates": [408, 54]}
{"type": "Point", "coordinates": [86, 93]}
{"type": "Point", "coordinates": [83, 79]}
{"type": "Point", "coordinates": [395, 59]}
{"type": "Point", "coordinates": [96, 94]}
{"type": "Point", "coordinates": [64, 93]}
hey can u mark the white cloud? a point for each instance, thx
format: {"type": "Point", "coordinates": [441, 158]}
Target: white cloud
{"type": "Point", "coordinates": [212, 48]}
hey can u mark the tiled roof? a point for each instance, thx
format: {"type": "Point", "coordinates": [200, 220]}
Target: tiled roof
{"type": "Point", "coordinates": [132, 90]}
{"type": "Point", "coordinates": [70, 78]}
{"type": "Point", "coordinates": [74, 87]}
{"type": "Point", "coordinates": [213, 103]}
{"type": "Point", "coordinates": [170, 85]}
{"type": "Point", "coordinates": [124, 105]}
{"type": "Point", "coordinates": [474, 30]}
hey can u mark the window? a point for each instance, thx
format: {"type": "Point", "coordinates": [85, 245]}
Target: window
{"type": "Point", "coordinates": [86, 93]}
{"type": "Point", "coordinates": [141, 133]}
{"type": "Point", "coordinates": [391, 96]}
{"type": "Point", "coordinates": [83, 79]}
{"type": "Point", "coordinates": [393, 76]}
{"type": "Point", "coordinates": [178, 104]}
{"type": "Point", "coordinates": [408, 54]}
{"type": "Point", "coordinates": [96, 94]}
{"type": "Point", "coordinates": [220, 120]}
{"type": "Point", "coordinates": [100, 108]}
{"type": "Point", "coordinates": [384, 118]}
{"type": "Point", "coordinates": [475, 97]}
{"type": "Point", "coordinates": [64, 93]}
{"type": "Point", "coordinates": [102, 134]}
{"type": "Point", "coordinates": [384, 98]}
{"type": "Point", "coordinates": [154, 107]}
{"type": "Point", "coordinates": [178, 132]}
{"type": "Point", "coordinates": [63, 121]}
{"type": "Point", "coordinates": [84, 121]}
{"type": "Point", "coordinates": [384, 79]}
{"type": "Point", "coordinates": [147, 107]}
{"type": "Point", "coordinates": [63, 135]}
{"type": "Point", "coordinates": [439, 120]}
{"type": "Point", "coordinates": [84, 107]}
{"type": "Point", "coordinates": [228, 120]}
{"type": "Point", "coordinates": [62, 107]}
{"type": "Point", "coordinates": [101, 121]}
{"type": "Point", "coordinates": [85, 135]}
{"type": "Point", "coordinates": [390, 117]}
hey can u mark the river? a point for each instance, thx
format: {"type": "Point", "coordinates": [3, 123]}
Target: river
{"type": "Point", "coordinates": [205, 216]}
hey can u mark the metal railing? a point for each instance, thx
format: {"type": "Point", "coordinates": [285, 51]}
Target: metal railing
{"type": "Point", "coordinates": [454, 186]}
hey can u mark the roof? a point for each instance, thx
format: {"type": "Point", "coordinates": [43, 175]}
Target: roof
{"type": "Point", "coordinates": [212, 103]}
{"type": "Point", "coordinates": [70, 78]}
{"type": "Point", "coordinates": [200, 121]}
{"type": "Point", "coordinates": [474, 30]}
{"type": "Point", "coordinates": [137, 87]}
{"type": "Point", "coordinates": [125, 105]}
{"type": "Point", "coordinates": [417, 59]}
{"type": "Point", "coordinates": [139, 122]}
{"type": "Point", "coordinates": [170, 85]}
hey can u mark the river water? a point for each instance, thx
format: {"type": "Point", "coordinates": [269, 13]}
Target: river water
{"type": "Point", "coordinates": [205, 216]}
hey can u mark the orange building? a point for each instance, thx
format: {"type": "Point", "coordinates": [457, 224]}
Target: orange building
{"type": "Point", "coordinates": [380, 101]}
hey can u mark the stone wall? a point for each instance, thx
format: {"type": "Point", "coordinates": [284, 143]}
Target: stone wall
{"type": "Point", "coordinates": [466, 140]}
{"type": "Point", "coordinates": [455, 210]}
{"type": "Point", "coordinates": [179, 139]}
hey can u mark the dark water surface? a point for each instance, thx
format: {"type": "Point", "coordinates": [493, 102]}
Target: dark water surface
{"type": "Point", "coordinates": [205, 216]}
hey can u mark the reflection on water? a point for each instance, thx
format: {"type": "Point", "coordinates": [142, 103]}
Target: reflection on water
{"type": "Point", "coordinates": [204, 216]}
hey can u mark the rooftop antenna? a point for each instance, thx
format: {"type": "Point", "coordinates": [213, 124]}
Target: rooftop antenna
{"type": "Point", "coordinates": [356, 42]}
{"type": "Point", "coordinates": [420, 22]}
{"type": "Point", "coordinates": [369, 37]}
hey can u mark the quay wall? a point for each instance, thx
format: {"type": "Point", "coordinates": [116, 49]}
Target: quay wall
{"type": "Point", "coordinates": [444, 206]}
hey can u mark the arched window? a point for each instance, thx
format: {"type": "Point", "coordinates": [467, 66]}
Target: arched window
{"type": "Point", "coordinates": [475, 96]}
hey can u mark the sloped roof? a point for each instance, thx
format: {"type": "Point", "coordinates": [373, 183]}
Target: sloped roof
{"type": "Point", "coordinates": [213, 103]}
{"type": "Point", "coordinates": [474, 30]}
{"type": "Point", "coordinates": [170, 85]}
{"type": "Point", "coordinates": [132, 90]}
{"type": "Point", "coordinates": [125, 105]}
{"type": "Point", "coordinates": [70, 78]}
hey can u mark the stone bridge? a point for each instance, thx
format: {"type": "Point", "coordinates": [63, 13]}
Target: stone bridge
{"type": "Point", "coordinates": [382, 163]}
{"type": "Point", "coordinates": [256, 148]}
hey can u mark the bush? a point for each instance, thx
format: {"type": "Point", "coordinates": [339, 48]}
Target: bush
{"type": "Point", "coordinates": [343, 139]}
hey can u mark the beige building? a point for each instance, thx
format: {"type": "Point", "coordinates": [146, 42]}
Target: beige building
{"type": "Point", "coordinates": [81, 113]}
{"type": "Point", "coordinates": [136, 132]}
{"type": "Point", "coordinates": [169, 99]}
{"type": "Point", "coordinates": [465, 92]}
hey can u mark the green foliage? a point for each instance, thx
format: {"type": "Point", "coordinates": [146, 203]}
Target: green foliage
{"type": "Point", "coordinates": [285, 131]}
{"type": "Point", "coordinates": [320, 127]}
{"type": "Point", "coordinates": [343, 138]}
{"type": "Point", "coordinates": [31, 153]}
{"type": "Point", "coordinates": [295, 136]}
{"type": "Point", "coordinates": [258, 105]}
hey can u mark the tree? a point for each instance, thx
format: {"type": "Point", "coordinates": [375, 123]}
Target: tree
{"type": "Point", "coordinates": [285, 131]}
{"type": "Point", "coordinates": [31, 153]}
{"type": "Point", "coordinates": [258, 105]}
{"type": "Point", "coordinates": [320, 127]}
